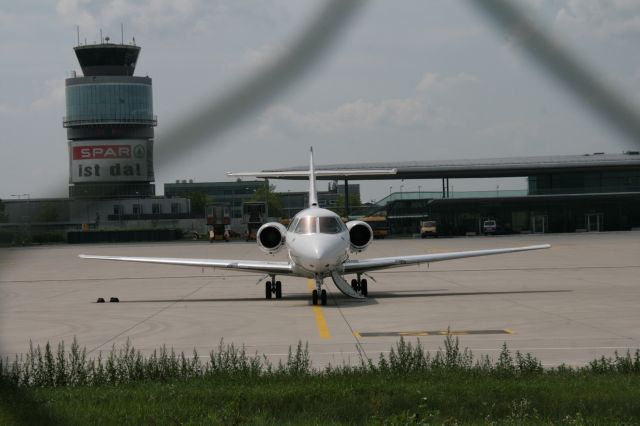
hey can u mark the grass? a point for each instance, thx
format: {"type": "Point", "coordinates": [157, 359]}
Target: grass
{"type": "Point", "coordinates": [231, 387]}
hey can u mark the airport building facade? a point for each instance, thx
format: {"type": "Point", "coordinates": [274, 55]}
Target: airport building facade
{"type": "Point", "coordinates": [567, 193]}
{"type": "Point", "coordinates": [333, 198]}
{"type": "Point", "coordinates": [601, 195]}
{"type": "Point", "coordinates": [232, 194]}
{"type": "Point", "coordinates": [564, 194]}
{"type": "Point", "coordinates": [235, 194]}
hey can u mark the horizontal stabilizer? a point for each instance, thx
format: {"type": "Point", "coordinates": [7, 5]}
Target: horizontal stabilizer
{"type": "Point", "coordinates": [318, 173]}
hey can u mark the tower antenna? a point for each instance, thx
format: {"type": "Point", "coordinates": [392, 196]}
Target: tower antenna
{"type": "Point", "coordinates": [78, 33]}
{"type": "Point", "coordinates": [101, 41]}
{"type": "Point", "coordinates": [121, 33]}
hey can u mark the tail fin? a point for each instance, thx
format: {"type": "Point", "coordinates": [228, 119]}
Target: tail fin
{"type": "Point", "coordinates": [313, 194]}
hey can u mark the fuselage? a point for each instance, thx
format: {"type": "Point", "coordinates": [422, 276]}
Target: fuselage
{"type": "Point", "coordinates": [318, 242]}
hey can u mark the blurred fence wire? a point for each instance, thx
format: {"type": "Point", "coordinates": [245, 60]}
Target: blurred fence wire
{"type": "Point", "coordinates": [564, 65]}
{"type": "Point", "coordinates": [207, 121]}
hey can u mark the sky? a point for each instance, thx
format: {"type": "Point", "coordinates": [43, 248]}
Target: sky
{"type": "Point", "coordinates": [405, 80]}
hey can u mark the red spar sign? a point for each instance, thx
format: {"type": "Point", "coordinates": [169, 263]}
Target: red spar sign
{"type": "Point", "coordinates": [96, 152]}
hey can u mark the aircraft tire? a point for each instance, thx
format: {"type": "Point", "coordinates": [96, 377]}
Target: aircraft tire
{"type": "Point", "coordinates": [314, 297]}
{"type": "Point", "coordinates": [278, 290]}
{"type": "Point", "coordinates": [354, 285]}
{"type": "Point", "coordinates": [323, 297]}
{"type": "Point", "coordinates": [114, 300]}
{"type": "Point", "coordinates": [268, 292]}
{"type": "Point", "coordinates": [100, 300]}
{"type": "Point", "coordinates": [364, 287]}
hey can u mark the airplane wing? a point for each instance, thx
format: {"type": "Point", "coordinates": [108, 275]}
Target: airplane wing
{"type": "Point", "coordinates": [279, 268]}
{"type": "Point", "coordinates": [364, 265]}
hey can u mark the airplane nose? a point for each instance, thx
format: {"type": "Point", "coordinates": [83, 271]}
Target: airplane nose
{"type": "Point", "coordinates": [319, 257]}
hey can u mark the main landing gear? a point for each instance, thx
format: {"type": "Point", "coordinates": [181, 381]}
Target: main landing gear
{"type": "Point", "coordinates": [319, 293]}
{"type": "Point", "coordinates": [273, 288]}
{"type": "Point", "coordinates": [360, 285]}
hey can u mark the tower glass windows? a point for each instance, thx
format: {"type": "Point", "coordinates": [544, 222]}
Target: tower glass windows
{"type": "Point", "coordinates": [109, 102]}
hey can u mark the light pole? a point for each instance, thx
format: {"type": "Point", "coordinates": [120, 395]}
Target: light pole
{"type": "Point", "coordinates": [390, 189]}
{"type": "Point", "coordinates": [401, 194]}
{"type": "Point", "coordinates": [138, 201]}
{"type": "Point", "coordinates": [419, 192]}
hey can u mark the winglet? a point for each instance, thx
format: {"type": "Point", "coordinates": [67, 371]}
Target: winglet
{"type": "Point", "coordinates": [313, 194]}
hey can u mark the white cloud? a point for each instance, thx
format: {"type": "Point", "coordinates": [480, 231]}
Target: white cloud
{"type": "Point", "coordinates": [261, 57]}
{"type": "Point", "coordinates": [170, 17]}
{"type": "Point", "coordinates": [429, 81]}
{"type": "Point", "coordinates": [434, 81]}
{"type": "Point", "coordinates": [142, 15]}
{"type": "Point", "coordinates": [604, 18]}
{"type": "Point", "coordinates": [53, 95]}
{"type": "Point", "coordinates": [361, 114]}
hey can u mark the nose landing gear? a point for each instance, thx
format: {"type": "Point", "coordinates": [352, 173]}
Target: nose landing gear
{"type": "Point", "coordinates": [319, 293]}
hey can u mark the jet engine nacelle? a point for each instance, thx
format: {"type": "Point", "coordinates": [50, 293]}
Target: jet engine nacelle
{"type": "Point", "coordinates": [360, 235]}
{"type": "Point", "coordinates": [271, 237]}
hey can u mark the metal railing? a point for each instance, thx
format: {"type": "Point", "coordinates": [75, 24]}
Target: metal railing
{"type": "Point", "coordinates": [147, 121]}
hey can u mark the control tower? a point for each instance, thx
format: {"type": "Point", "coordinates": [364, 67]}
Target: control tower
{"type": "Point", "coordinates": [109, 121]}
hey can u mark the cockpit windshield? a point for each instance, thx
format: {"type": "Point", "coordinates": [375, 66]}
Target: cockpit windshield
{"type": "Point", "coordinates": [313, 225]}
{"type": "Point", "coordinates": [329, 225]}
{"type": "Point", "coordinates": [306, 225]}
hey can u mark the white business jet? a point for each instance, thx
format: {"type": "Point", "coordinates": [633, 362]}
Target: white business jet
{"type": "Point", "coordinates": [318, 244]}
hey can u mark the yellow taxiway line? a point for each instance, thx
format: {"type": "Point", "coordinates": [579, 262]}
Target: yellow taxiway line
{"type": "Point", "coordinates": [321, 321]}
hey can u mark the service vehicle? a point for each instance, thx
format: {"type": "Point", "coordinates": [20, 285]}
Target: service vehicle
{"type": "Point", "coordinates": [489, 226]}
{"type": "Point", "coordinates": [428, 228]}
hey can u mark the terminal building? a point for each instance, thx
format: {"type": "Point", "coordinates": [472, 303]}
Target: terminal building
{"type": "Point", "coordinates": [568, 193]}
{"type": "Point", "coordinates": [572, 193]}
{"type": "Point", "coordinates": [235, 194]}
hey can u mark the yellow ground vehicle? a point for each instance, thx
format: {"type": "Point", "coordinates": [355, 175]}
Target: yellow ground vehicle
{"type": "Point", "coordinates": [428, 228]}
{"type": "Point", "coordinates": [378, 224]}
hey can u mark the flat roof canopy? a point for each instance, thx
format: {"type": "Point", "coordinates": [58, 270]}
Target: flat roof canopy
{"type": "Point", "coordinates": [481, 168]}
